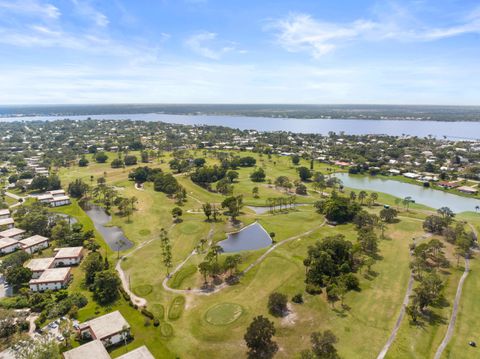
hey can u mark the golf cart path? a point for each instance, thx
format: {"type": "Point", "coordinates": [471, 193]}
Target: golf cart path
{"type": "Point", "coordinates": [456, 303]}
{"type": "Point", "coordinates": [198, 291]}
{"type": "Point", "coordinates": [141, 302]}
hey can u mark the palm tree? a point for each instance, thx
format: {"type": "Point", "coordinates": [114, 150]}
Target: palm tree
{"type": "Point", "coordinates": [406, 202]}
{"type": "Point", "coordinates": [374, 197]}
{"type": "Point", "coordinates": [361, 196]}
{"type": "Point", "coordinates": [353, 196]}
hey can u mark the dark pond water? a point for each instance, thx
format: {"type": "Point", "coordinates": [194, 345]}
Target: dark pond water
{"type": "Point", "coordinates": [465, 130]}
{"type": "Point", "coordinates": [427, 196]}
{"type": "Point", "coordinates": [114, 236]}
{"type": "Point", "coordinates": [69, 219]}
{"type": "Point", "coordinates": [251, 237]}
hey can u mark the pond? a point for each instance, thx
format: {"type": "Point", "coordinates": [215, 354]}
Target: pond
{"type": "Point", "coordinates": [71, 220]}
{"type": "Point", "coordinates": [427, 196]}
{"type": "Point", "coordinates": [114, 236]}
{"type": "Point", "coordinates": [249, 238]}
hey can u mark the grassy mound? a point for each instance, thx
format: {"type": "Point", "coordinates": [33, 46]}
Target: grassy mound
{"type": "Point", "coordinates": [189, 227]}
{"type": "Point", "coordinates": [166, 330]}
{"type": "Point", "coordinates": [144, 232]}
{"type": "Point", "coordinates": [158, 310]}
{"type": "Point", "coordinates": [176, 308]}
{"type": "Point", "coordinates": [223, 313]}
{"type": "Point", "coordinates": [143, 290]}
{"type": "Point", "coordinates": [181, 275]}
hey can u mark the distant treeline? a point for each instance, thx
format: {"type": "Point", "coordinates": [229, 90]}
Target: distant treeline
{"type": "Point", "coordinates": [371, 112]}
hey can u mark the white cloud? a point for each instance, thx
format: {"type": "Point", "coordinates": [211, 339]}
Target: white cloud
{"type": "Point", "coordinates": [85, 8]}
{"type": "Point", "coordinates": [205, 44]}
{"type": "Point", "coordinates": [301, 32]}
{"type": "Point", "coordinates": [31, 8]}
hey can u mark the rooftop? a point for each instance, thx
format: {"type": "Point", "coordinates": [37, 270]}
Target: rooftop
{"type": "Point", "coordinates": [69, 252]}
{"type": "Point", "coordinates": [39, 264]}
{"type": "Point", "coordinates": [52, 275]}
{"type": "Point", "coordinates": [12, 232]}
{"type": "Point", "coordinates": [5, 221]}
{"type": "Point", "coordinates": [93, 349]}
{"type": "Point", "coordinates": [107, 325]}
{"type": "Point", "coordinates": [139, 353]}
{"type": "Point", "coordinates": [7, 242]}
{"type": "Point", "coordinates": [33, 240]}
{"type": "Point", "coordinates": [3, 212]}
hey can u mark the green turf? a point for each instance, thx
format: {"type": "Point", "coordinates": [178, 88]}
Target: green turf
{"type": "Point", "coordinates": [223, 313]}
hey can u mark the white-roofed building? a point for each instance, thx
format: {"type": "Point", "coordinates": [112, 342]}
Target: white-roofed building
{"type": "Point", "coordinates": [68, 256]}
{"type": "Point", "coordinates": [57, 193]}
{"type": "Point", "coordinates": [111, 328]}
{"type": "Point", "coordinates": [4, 213]}
{"type": "Point", "coordinates": [8, 245]}
{"type": "Point", "coordinates": [90, 350]}
{"type": "Point", "coordinates": [39, 265]}
{"type": "Point", "coordinates": [51, 279]}
{"type": "Point", "coordinates": [6, 223]}
{"type": "Point", "coordinates": [34, 244]}
{"type": "Point", "coordinates": [58, 201]}
{"type": "Point", "coordinates": [139, 353]}
{"type": "Point", "coordinates": [15, 233]}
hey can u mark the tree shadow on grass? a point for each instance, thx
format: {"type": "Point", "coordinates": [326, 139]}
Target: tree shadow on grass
{"type": "Point", "coordinates": [370, 275]}
{"type": "Point", "coordinates": [342, 312]}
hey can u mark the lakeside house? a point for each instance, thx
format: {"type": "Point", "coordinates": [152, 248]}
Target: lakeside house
{"type": "Point", "coordinates": [110, 329]}
{"type": "Point", "coordinates": [51, 279]}
{"type": "Point", "coordinates": [467, 190]}
{"type": "Point", "coordinates": [14, 233]}
{"type": "Point", "coordinates": [34, 244]}
{"type": "Point", "coordinates": [448, 185]}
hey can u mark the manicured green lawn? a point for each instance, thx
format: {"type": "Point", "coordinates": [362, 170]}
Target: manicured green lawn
{"type": "Point", "coordinates": [201, 326]}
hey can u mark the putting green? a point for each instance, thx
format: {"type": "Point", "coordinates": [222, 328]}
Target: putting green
{"type": "Point", "coordinates": [223, 313]}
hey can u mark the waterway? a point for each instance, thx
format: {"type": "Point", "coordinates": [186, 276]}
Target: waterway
{"type": "Point", "coordinates": [113, 235]}
{"type": "Point", "coordinates": [439, 129]}
{"type": "Point", "coordinates": [251, 237]}
{"type": "Point", "coordinates": [427, 196]}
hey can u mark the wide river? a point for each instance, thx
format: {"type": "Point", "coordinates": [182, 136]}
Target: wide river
{"type": "Point", "coordinates": [452, 130]}
{"type": "Point", "coordinates": [427, 196]}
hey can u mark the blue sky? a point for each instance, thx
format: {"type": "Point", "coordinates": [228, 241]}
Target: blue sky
{"type": "Point", "coordinates": [240, 51]}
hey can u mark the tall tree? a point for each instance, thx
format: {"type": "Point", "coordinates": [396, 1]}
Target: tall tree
{"type": "Point", "coordinates": [259, 339]}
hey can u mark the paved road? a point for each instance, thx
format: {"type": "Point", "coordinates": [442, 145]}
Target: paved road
{"type": "Point", "coordinates": [456, 303]}
{"type": "Point", "coordinates": [453, 318]}
{"type": "Point", "coordinates": [394, 332]}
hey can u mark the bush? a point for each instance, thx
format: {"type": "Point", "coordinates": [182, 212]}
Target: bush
{"type": "Point", "coordinates": [147, 313]}
{"type": "Point", "coordinates": [297, 298]}
{"type": "Point", "coordinates": [313, 289]}
{"type": "Point", "coordinates": [277, 304]}
{"type": "Point", "coordinates": [156, 322]}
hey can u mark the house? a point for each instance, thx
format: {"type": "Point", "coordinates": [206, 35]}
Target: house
{"type": "Point", "coordinates": [33, 244]}
{"type": "Point", "coordinates": [57, 193]}
{"type": "Point", "coordinates": [411, 175]}
{"type": "Point", "coordinates": [468, 190]}
{"type": "Point", "coordinates": [68, 256]}
{"type": "Point", "coordinates": [15, 233]}
{"type": "Point", "coordinates": [448, 185]}
{"type": "Point", "coordinates": [54, 198]}
{"type": "Point", "coordinates": [8, 245]}
{"type": "Point", "coordinates": [110, 328]}
{"type": "Point", "coordinates": [39, 265]}
{"type": "Point", "coordinates": [7, 223]}
{"type": "Point", "coordinates": [4, 213]}
{"type": "Point", "coordinates": [51, 279]}
{"type": "Point", "coordinates": [394, 171]}
{"type": "Point", "coordinates": [60, 201]}
{"type": "Point", "coordinates": [93, 349]}
{"type": "Point", "coordinates": [139, 353]}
